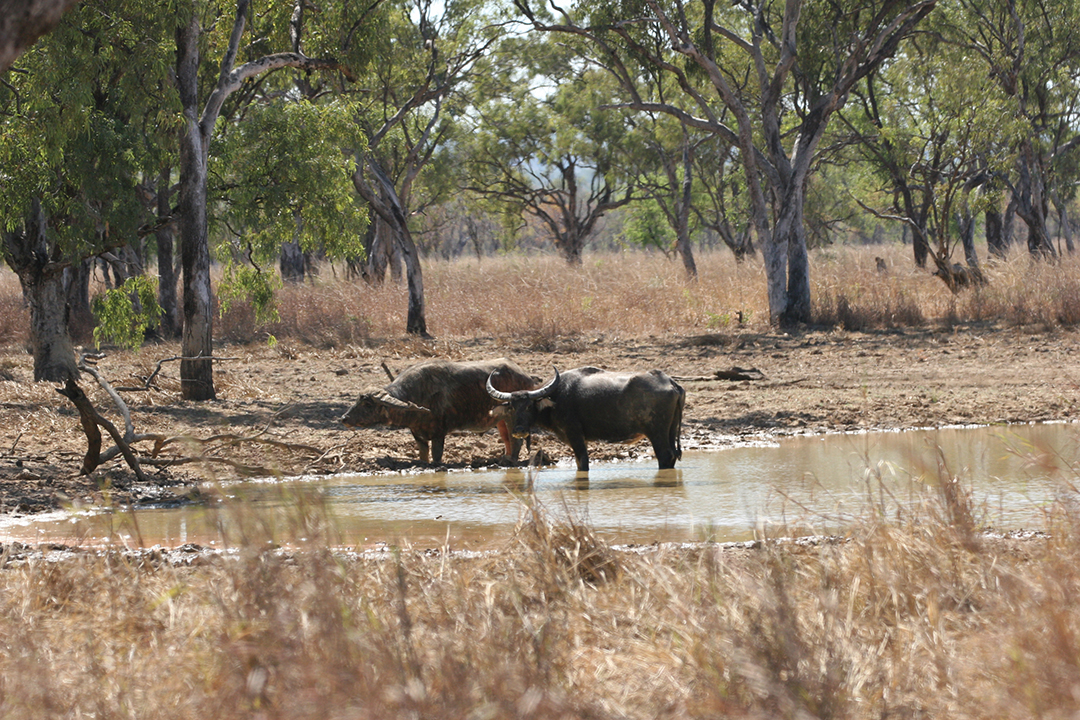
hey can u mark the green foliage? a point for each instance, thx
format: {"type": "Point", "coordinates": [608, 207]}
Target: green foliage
{"type": "Point", "coordinates": [544, 142]}
{"type": "Point", "coordinates": [647, 226]}
{"type": "Point", "coordinates": [934, 121]}
{"type": "Point", "coordinates": [84, 112]}
{"type": "Point", "coordinates": [284, 174]}
{"type": "Point", "coordinates": [244, 283]}
{"type": "Point", "coordinates": [125, 313]}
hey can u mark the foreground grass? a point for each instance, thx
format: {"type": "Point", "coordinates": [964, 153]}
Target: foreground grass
{"type": "Point", "coordinates": [918, 617]}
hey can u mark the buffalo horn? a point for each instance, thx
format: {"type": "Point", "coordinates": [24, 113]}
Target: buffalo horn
{"type": "Point", "coordinates": [496, 394]}
{"type": "Point", "coordinates": [543, 392]}
{"type": "Point", "coordinates": [387, 399]}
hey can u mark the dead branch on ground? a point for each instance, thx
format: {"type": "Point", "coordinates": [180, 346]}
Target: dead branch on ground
{"type": "Point", "coordinates": [91, 419]}
{"type": "Point", "coordinates": [148, 382]}
{"type": "Point", "coordinates": [735, 374]}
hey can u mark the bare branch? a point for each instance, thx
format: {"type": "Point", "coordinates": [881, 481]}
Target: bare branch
{"type": "Point", "coordinates": [91, 419]}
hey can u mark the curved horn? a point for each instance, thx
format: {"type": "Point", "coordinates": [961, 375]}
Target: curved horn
{"type": "Point", "coordinates": [543, 392]}
{"type": "Point", "coordinates": [496, 394]}
{"type": "Point", "coordinates": [385, 398]}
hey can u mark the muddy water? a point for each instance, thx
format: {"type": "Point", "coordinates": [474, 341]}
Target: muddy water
{"type": "Point", "coordinates": [797, 486]}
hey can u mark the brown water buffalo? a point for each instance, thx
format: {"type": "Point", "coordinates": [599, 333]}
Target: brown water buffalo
{"type": "Point", "coordinates": [592, 404]}
{"type": "Point", "coordinates": [436, 397]}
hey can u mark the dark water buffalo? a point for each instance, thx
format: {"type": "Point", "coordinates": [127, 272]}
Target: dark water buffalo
{"type": "Point", "coordinates": [436, 397]}
{"type": "Point", "coordinates": [592, 404]}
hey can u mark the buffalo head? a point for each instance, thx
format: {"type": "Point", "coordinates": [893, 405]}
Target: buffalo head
{"type": "Point", "coordinates": [378, 407]}
{"type": "Point", "coordinates": [519, 409]}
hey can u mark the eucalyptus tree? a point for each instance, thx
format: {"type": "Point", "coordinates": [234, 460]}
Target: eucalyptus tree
{"type": "Point", "coordinates": [199, 38]}
{"type": "Point", "coordinates": [1031, 49]}
{"type": "Point", "coordinates": [661, 161]}
{"type": "Point", "coordinates": [78, 113]}
{"type": "Point", "coordinates": [779, 70]}
{"type": "Point", "coordinates": [281, 178]}
{"type": "Point", "coordinates": [930, 129]}
{"type": "Point", "coordinates": [428, 54]}
{"type": "Point", "coordinates": [110, 84]}
{"type": "Point", "coordinates": [545, 146]}
{"type": "Point", "coordinates": [691, 182]}
{"type": "Point", "coordinates": [719, 195]}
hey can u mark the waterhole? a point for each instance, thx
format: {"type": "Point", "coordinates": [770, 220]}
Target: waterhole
{"type": "Point", "coordinates": [796, 486]}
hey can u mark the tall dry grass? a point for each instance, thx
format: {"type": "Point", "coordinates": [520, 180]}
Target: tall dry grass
{"type": "Point", "coordinates": [912, 617]}
{"type": "Point", "coordinates": [542, 301]}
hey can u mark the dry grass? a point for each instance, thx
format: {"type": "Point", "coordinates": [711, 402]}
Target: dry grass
{"type": "Point", "coordinates": [917, 617]}
{"type": "Point", "coordinates": [547, 305]}
{"type": "Point", "coordinates": [543, 303]}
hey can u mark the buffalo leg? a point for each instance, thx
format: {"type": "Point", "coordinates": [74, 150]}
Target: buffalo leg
{"type": "Point", "coordinates": [581, 454]}
{"type": "Point", "coordinates": [437, 444]}
{"type": "Point", "coordinates": [665, 453]}
{"type": "Point", "coordinates": [512, 446]}
{"type": "Point", "coordinates": [422, 446]}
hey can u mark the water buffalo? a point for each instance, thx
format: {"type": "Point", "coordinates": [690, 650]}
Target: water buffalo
{"type": "Point", "coordinates": [436, 397]}
{"type": "Point", "coordinates": [592, 404]}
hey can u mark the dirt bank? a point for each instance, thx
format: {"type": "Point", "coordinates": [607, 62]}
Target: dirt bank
{"type": "Point", "coordinates": [277, 407]}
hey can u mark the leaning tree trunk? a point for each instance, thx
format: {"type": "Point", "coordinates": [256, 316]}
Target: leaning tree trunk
{"type": "Point", "coordinates": [415, 324]}
{"type": "Point", "coordinates": [196, 369]}
{"type": "Point", "coordinates": [686, 251]}
{"type": "Point", "coordinates": [389, 207]}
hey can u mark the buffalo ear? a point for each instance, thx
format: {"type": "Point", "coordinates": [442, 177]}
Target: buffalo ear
{"type": "Point", "coordinates": [545, 403]}
{"type": "Point", "coordinates": [500, 412]}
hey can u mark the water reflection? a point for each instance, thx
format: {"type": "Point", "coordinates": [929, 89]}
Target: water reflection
{"type": "Point", "coordinates": [799, 485]}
